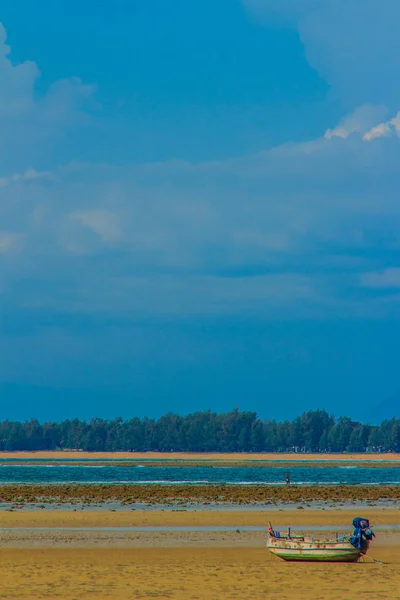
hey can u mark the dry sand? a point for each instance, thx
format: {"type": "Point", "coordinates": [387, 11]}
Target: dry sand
{"type": "Point", "coordinates": [270, 456]}
{"type": "Point", "coordinates": [213, 518]}
{"type": "Point", "coordinates": [190, 574]}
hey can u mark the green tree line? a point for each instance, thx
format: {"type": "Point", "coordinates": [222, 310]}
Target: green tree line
{"type": "Point", "coordinates": [235, 431]}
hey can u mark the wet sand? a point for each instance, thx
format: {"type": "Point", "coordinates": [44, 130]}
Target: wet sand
{"type": "Point", "coordinates": [198, 456]}
{"type": "Point", "coordinates": [74, 538]}
{"type": "Point", "coordinates": [111, 538]}
{"type": "Point", "coordinates": [195, 573]}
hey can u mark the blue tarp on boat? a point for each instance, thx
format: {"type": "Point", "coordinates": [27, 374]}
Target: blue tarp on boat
{"type": "Point", "coordinates": [361, 534]}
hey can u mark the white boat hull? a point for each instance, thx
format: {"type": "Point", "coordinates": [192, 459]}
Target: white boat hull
{"type": "Point", "coordinates": [315, 551]}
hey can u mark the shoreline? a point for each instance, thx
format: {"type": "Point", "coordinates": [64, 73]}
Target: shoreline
{"type": "Point", "coordinates": [198, 456]}
{"type": "Point", "coordinates": [189, 463]}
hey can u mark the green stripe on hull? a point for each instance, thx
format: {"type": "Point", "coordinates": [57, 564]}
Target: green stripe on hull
{"type": "Point", "coordinates": [349, 549]}
{"type": "Point", "coordinates": [346, 557]}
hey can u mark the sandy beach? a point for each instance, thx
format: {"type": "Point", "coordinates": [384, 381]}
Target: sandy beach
{"type": "Point", "coordinates": [67, 562]}
{"type": "Point", "coordinates": [76, 542]}
{"type": "Point", "coordinates": [193, 456]}
{"type": "Point", "coordinates": [191, 572]}
{"type": "Point", "coordinates": [198, 518]}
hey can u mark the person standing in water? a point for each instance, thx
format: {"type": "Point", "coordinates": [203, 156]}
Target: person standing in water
{"type": "Point", "coordinates": [287, 479]}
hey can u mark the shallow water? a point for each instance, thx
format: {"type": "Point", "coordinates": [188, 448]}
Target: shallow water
{"type": "Point", "coordinates": [111, 474]}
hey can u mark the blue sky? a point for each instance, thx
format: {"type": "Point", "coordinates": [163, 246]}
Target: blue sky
{"type": "Point", "coordinates": [199, 207]}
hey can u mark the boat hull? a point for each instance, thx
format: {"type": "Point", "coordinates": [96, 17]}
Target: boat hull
{"type": "Point", "coordinates": [314, 551]}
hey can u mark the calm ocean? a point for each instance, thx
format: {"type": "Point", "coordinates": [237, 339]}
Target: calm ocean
{"type": "Point", "coordinates": [147, 475]}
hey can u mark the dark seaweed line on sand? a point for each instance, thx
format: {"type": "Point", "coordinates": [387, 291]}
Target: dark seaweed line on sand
{"type": "Point", "coordinates": [164, 494]}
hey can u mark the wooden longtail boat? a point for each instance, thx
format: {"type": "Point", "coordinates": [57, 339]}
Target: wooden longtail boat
{"type": "Point", "coordinates": [304, 548]}
{"type": "Point", "coordinates": [310, 549]}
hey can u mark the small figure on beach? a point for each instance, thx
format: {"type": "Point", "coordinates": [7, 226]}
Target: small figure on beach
{"type": "Point", "coordinates": [287, 479]}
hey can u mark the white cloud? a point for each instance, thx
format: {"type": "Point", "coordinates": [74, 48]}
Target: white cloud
{"type": "Point", "coordinates": [358, 121]}
{"type": "Point", "coordinates": [353, 44]}
{"type": "Point", "coordinates": [361, 122]}
{"type": "Point", "coordinates": [384, 129]}
{"type": "Point", "coordinates": [395, 122]}
{"type": "Point", "coordinates": [29, 120]}
{"type": "Point", "coordinates": [103, 222]}
{"type": "Point", "coordinates": [388, 278]}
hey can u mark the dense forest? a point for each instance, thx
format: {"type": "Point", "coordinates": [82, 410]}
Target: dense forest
{"type": "Point", "coordinates": [313, 431]}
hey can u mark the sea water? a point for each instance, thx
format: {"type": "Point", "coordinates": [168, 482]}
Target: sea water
{"type": "Point", "coordinates": [66, 472]}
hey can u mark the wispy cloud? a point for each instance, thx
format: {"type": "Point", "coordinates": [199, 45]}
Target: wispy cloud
{"type": "Point", "coordinates": [387, 278]}
{"type": "Point", "coordinates": [103, 222]}
{"type": "Point", "coordinates": [10, 241]}
{"type": "Point", "coordinates": [384, 129]}
{"type": "Point", "coordinates": [363, 122]}
{"type": "Point", "coordinates": [28, 175]}
{"type": "Point", "coordinates": [359, 121]}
